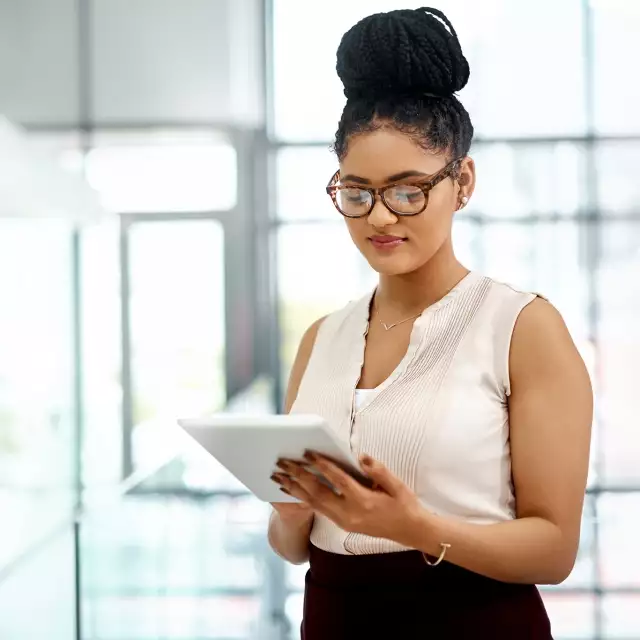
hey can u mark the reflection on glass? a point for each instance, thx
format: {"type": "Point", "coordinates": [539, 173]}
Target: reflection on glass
{"type": "Point", "coordinates": [504, 96]}
{"type": "Point", "coordinates": [160, 172]}
{"type": "Point", "coordinates": [177, 327]}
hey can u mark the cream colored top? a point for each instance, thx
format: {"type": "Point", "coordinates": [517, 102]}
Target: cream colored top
{"type": "Point", "coordinates": [440, 421]}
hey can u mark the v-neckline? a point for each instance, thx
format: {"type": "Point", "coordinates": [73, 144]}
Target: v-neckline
{"type": "Point", "coordinates": [415, 338]}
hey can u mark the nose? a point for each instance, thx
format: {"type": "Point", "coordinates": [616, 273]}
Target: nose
{"type": "Point", "coordinates": [380, 216]}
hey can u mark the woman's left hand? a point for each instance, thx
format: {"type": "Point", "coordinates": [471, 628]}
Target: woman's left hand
{"type": "Point", "coordinates": [387, 511]}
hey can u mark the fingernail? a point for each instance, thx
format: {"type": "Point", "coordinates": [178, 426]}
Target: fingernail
{"type": "Point", "coordinates": [366, 460]}
{"type": "Point", "coordinates": [284, 491]}
{"type": "Point", "coordinates": [283, 464]}
{"type": "Point", "coordinates": [275, 477]}
{"type": "Point", "coordinates": [309, 455]}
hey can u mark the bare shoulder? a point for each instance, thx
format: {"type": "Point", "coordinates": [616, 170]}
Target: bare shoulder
{"type": "Point", "coordinates": [301, 361]}
{"type": "Point", "coordinates": [542, 347]}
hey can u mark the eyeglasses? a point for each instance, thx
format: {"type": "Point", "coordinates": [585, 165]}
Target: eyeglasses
{"type": "Point", "coordinates": [401, 199]}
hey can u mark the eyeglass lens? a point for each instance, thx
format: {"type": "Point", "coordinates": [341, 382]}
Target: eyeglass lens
{"type": "Point", "coordinates": [402, 199]}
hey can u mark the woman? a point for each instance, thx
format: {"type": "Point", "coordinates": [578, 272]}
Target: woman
{"type": "Point", "coordinates": [465, 399]}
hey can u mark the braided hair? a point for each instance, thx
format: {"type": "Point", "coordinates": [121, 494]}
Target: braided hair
{"type": "Point", "coordinates": [402, 69]}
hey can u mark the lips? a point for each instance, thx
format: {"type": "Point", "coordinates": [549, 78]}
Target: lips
{"type": "Point", "coordinates": [386, 242]}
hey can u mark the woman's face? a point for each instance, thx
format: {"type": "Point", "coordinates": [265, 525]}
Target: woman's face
{"type": "Point", "coordinates": [374, 160]}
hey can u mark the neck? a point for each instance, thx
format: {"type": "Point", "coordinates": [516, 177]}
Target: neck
{"type": "Point", "coordinates": [421, 288]}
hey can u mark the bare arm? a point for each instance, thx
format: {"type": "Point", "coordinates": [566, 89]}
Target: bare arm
{"type": "Point", "coordinates": [550, 410]}
{"type": "Point", "coordinates": [290, 524]}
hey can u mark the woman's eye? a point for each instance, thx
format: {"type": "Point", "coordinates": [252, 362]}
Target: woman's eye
{"type": "Point", "coordinates": [354, 196]}
{"type": "Point", "coordinates": [408, 194]}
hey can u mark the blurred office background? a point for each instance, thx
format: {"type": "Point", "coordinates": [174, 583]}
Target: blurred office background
{"type": "Point", "coordinates": [165, 239]}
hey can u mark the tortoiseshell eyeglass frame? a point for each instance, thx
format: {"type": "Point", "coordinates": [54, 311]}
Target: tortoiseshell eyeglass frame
{"type": "Point", "coordinates": [450, 170]}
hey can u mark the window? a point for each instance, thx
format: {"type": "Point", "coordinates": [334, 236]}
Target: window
{"type": "Point", "coordinates": [617, 101]}
{"type": "Point", "coordinates": [163, 172]}
{"type": "Point", "coordinates": [555, 213]}
{"type": "Point", "coordinates": [533, 91]}
{"type": "Point", "coordinates": [619, 338]}
{"type": "Point", "coordinates": [36, 376]}
{"type": "Point", "coordinates": [177, 327]}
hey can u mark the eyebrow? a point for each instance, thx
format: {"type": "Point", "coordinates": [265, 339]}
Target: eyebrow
{"type": "Point", "coordinates": [394, 178]}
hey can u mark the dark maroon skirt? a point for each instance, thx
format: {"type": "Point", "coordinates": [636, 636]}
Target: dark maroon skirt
{"type": "Point", "coordinates": [398, 596]}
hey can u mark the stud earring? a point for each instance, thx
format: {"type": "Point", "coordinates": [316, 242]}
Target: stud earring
{"type": "Point", "coordinates": [464, 200]}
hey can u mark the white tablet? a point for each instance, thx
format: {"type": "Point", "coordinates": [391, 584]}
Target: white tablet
{"type": "Point", "coordinates": [248, 446]}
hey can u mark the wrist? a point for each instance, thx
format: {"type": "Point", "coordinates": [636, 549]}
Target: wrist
{"type": "Point", "coordinates": [293, 522]}
{"type": "Point", "coordinates": [422, 532]}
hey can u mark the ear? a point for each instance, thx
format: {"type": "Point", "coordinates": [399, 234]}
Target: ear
{"type": "Point", "coordinates": [466, 180]}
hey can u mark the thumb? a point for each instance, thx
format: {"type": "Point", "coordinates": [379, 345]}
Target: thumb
{"type": "Point", "coordinates": [381, 475]}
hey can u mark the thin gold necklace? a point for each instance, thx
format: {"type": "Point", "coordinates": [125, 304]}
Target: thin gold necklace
{"type": "Point", "coordinates": [388, 327]}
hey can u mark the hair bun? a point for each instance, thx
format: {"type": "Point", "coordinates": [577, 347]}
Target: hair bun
{"type": "Point", "coordinates": [403, 52]}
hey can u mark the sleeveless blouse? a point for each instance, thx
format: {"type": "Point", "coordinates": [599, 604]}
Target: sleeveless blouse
{"type": "Point", "coordinates": [440, 422]}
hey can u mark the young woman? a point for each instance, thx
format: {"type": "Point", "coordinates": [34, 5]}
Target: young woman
{"type": "Point", "coordinates": [465, 399]}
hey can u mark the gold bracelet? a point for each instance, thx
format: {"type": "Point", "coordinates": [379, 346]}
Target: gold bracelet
{"type": "Point", "coordinates": [443, 546]}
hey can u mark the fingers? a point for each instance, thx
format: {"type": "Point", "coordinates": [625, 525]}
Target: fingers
{"type": "Point", "coordinates": [382, 476]}
{"type": "Point", "coordinates": [290, 487]}
{"type": "Point", "coordinates": [297, 480]}
{"type": "Point", "coordinates": [342, 481]}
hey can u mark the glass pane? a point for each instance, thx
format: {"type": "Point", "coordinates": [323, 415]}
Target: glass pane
{"type": "Point", "coordinates": [618, 186]}
{"type": "Point", "coordinates": [36, 383]}
{"type": "Point", "coordinates": [521, 180]}
{"type": "Point", "coordinates": [621, 619]}
{"type": "Point", "coordinates": [302, 175]}
{"type": "Point", "coordinates": [102, 354]}
{"type": "Point", "coordinates": [177, 327]}
{"type": "Point", "coordinates": [163, 171]}
{"type": "Point", "coordinates": [619, 518]}
{"type": "Point", "coordinates": [617, 101]}
{"type": "Point", "coordinates": [37, 600]}
{"type": "Point", "coordinates": [545, 257]}
{"type": "Point", "coordinates": [504, 97]}
{"type": "Point", "coordinates": [319, 271]}
{"type": "Point", "coordinates": [619, 344]}
{"type": "Point", "coordinates": [173, 568]}
{"type": "Point", "coordinates": [571, 615]}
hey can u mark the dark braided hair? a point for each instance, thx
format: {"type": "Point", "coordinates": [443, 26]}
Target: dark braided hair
{"type": "Point", "coordinates": [402, 69]}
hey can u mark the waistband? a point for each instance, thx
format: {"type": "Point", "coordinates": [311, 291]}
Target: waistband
{"type": "Point", "coordinates": [395, 569]}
